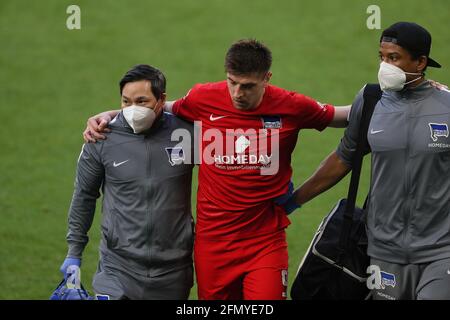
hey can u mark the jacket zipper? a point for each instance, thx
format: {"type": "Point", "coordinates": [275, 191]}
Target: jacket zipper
{"type": "Point", "coordinates": [408, 188]}
{"type": "Point", "coordinates": [147, 192]}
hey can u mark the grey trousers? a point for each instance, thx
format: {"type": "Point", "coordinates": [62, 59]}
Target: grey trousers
{"type": "Point", "coordinates": [428, 281]}
{"type": "Point", "coordinates": [110, 283]}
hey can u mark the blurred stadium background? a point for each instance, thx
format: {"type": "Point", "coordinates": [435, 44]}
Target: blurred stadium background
{"type": "Point", "coordinates": [52, 79]}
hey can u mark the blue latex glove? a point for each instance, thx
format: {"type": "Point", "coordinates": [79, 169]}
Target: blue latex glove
{"type": "Point", "coordinates": [287, 200]}
{"type": "Point", "coordinates": [69, 262]}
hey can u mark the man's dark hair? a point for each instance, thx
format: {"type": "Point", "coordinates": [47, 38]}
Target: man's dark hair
{"type": "Point", "coordinates": [248, 56]}
{"type": "Point", "coordinates": [146, 72]}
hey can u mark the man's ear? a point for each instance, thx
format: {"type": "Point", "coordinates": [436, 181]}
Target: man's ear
{"type": "Point", "coordinates": [163, 97]}
{"type": "Point", "coordinates": [423, 61]}
{"type": "Point", "coordinates": [267, 78]}
{"type": "Point", "coordinates": [162, 100]}
{"type": "Point", "coordinates": [160, 103]}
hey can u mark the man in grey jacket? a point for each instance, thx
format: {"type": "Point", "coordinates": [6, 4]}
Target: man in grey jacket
{"type": "Point", "coordinates": [145, 178]}
{"type": "Point", "coordinates": [408, 222]}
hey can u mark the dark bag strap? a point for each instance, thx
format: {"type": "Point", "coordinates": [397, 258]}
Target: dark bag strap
{"type": "Point", "coordinates": [372, 94]}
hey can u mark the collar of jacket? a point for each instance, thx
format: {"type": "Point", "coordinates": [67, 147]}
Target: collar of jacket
{"type": "Point", "coordinates": [421, 92]}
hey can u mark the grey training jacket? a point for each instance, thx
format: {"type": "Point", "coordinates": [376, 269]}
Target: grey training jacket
{"type": "Point", "coordinates": [147, 225]}
{"type": "Point", "coordinates": [409, 209]}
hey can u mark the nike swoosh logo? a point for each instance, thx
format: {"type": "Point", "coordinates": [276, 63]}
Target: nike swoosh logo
{"type": "Point", "coordinates": [212, 118]}
{"type": "Point", "coordinates": [375, 132]}
{"type": "Point", "coordinates": [120, 163]}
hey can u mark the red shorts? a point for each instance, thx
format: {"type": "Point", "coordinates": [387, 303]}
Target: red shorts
{"type": "Point", "coordinates": [245, 269]}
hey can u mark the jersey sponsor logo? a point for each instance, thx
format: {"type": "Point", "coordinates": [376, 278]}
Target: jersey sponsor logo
{"type": "Point", "coordinates": [102, 297]}
{"type": "Point", "coordinates": [115, 165]}
{"type": "Point", "coordinates": [242, 143]}
{"type": "Point", "coordinates": [438, 130]}
{"type": "Point", "coordinates": [271, 122]}
{"type": "Point", "coordinates": [213, 118]}
{"type": "Point", "coordinates": [242, 149]}
{"type": "Point", "coordinates": [245, 159]}
{"type": "Point", "coordinates": [439, 145]}
{"type": "Point", "coordinates": [385, 296]}
{"type": "Point", "coordinates": [175, 155]}
{"type": "Point", "coordinates": [227, 149]}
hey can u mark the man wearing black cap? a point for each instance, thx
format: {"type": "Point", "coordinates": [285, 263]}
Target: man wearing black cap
{"type": "Point", "coordinates": [404, 53]}
{"type": "Point", "coordinates": [408, 222]}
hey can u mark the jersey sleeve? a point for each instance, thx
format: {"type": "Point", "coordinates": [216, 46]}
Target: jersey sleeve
{"type": "Point", "coordinates": [313, 114]}
{"type": "Point", "coordinates": [347, 146]}
{"type": "Point", "coordinates": [187, 107]}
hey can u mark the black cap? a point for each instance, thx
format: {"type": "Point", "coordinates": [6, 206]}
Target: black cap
{"type": "Point", "coordinates": [411, 37]}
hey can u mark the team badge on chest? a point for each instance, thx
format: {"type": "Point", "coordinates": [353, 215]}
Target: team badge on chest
{"type": "Point", "coordinates": [438, 130]}
{"type": "Point", "coordinates": [176, 155]}
{"type": "Point", "coordinates": [271, 122]}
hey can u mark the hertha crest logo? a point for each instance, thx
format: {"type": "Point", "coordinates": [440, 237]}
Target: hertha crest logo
{"type": "Point", "coordinates": [176, 155]}
{"type": "Point", "coordinates": [271, 122]}
{"type": "Point", "coordinates": [438, 130]}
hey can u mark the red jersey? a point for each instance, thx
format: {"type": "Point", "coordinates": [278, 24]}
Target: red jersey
{"type": "Point", "coordinates": [246, 156]}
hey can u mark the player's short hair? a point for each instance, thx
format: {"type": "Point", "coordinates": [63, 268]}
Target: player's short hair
{"type": "Point", "coordinates": [146, 72]}
{"type": "Point", "coordinates": [248, 56]}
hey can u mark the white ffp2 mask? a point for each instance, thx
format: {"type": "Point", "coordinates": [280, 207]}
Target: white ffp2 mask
{"type": "Point", "coordinates": [393, 78]}
{"type": "Point", "coordinates": [139, 118]}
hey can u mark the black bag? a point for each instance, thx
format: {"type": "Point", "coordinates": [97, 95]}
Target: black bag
{"type": "Point", "coordinates": [334, 266]}
{"type": "Point", "coordinates": [328, 273]}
